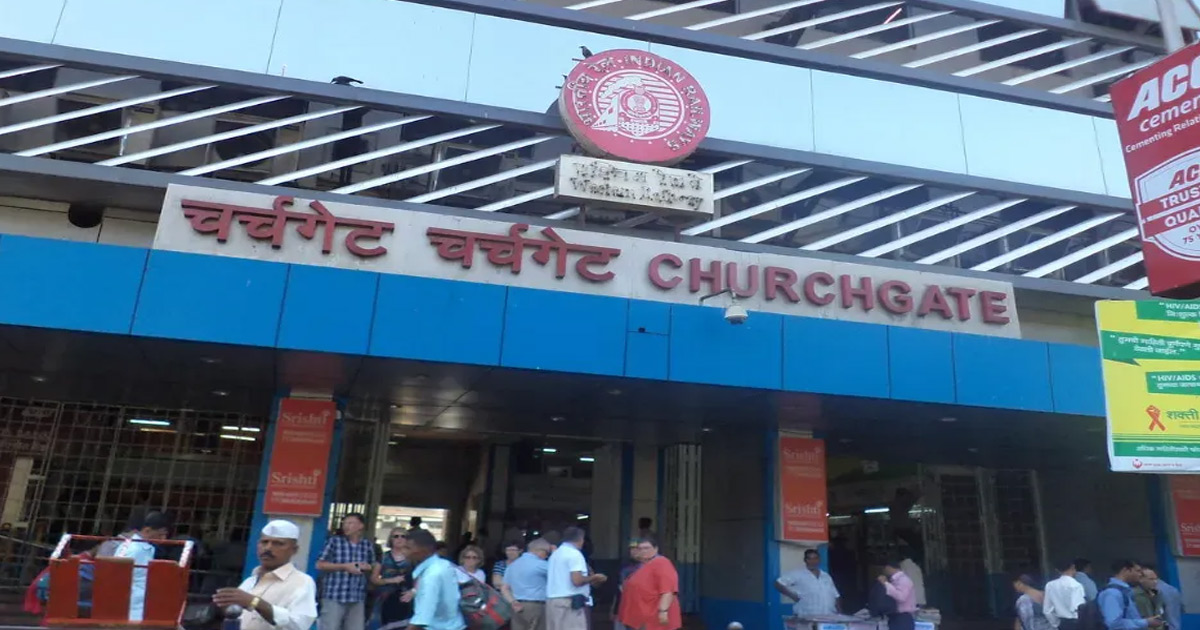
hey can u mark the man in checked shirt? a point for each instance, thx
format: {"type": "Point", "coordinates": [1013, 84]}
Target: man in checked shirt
{"type": "Point", "coordinates": [346, 561]}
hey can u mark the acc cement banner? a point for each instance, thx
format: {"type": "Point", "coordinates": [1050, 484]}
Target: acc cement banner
{"type": "Point", "coordinates": [1151, 358]}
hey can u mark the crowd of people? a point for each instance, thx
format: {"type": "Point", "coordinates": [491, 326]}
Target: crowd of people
{"type": "Point", "coordinates": [1134, 598]}
{"type": "Point", "coordinates": [547, 583]}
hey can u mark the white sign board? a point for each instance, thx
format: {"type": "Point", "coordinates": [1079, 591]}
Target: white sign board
{"type": "Point", "coordinates": [631, 186]}
{"type": "Point", "coordinates": [431, 245]}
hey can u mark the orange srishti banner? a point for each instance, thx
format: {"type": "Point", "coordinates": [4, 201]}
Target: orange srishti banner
{"type": "Point", "coordinates": [1185, 495]}
{"type": "Point", "coordinates": [300, 457]}
{"type": "Point", "coordinates": [803, 499]}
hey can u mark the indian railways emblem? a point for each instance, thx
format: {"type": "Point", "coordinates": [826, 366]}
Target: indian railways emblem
{"type": "Point", "coordinates": [634, 105]}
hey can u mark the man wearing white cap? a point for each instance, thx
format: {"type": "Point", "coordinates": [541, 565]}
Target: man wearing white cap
{"type": "Point", "coordinates": [278, 595]}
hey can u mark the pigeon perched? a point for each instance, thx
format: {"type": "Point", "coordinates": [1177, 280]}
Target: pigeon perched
{"type": "Point", "coordinates": [586, 51]}
{"type": "Point", "coordinates": [344, 80]}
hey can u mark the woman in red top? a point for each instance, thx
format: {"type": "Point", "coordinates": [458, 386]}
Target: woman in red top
{"type": "Point", "coordinates": [650, 599]}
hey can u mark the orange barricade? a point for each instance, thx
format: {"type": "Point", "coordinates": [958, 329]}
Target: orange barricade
{"type": "Point", "coordinates": [166, 588]}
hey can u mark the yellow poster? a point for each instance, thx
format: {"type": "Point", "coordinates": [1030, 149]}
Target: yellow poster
{"type": "Point", "coordinates": [1151, 357]}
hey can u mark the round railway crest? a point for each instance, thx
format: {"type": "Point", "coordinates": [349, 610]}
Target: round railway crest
{"type": "Point", "coordinates": [634, 105]}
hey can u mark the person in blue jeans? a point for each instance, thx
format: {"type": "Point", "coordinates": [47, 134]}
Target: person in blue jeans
{"type": "Point", "coordinates": [1116, 603]}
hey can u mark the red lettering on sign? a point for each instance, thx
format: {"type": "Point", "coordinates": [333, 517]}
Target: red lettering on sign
{"type": "Point", "coordinates": [731, 278]}
{"type": "Point", "coordinates": [656, 264]}
{"type": "Point", "coordinates": [810, 288]}
{"type": "Point", "coordinates": [209, 217]}
{"type": "Point", "coordinates": [962, 300]}
{"type": "Point", "coordinates": [781, 279]}
{"type": "Point", "coordinates": [995, 306]}
{"type": "Point", "coordinates": [697, 276]}
{"type": "Point", "coordinates": [894, 297]}
{"type": "Point", "coordinates": [509, 251]}
{"type": "Point", "coordinates": [934, 301]}
{"type": "Point", "coordinates": [862, 292]}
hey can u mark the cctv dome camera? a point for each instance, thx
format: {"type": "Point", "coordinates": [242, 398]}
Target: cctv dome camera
{"type": "Point", "coordinates": [736, 314]}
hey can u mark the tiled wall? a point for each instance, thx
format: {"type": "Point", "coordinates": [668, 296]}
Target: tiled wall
{"type": "Point", "coordinates": [235, 301]}
{"type": "Point", "coordinates": [430, 51]}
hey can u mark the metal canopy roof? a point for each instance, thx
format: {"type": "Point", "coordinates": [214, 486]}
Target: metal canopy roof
{"type": "Point", "coordinates": [125, 118]}
{"type": "Point", "coordinates": [951, 37]}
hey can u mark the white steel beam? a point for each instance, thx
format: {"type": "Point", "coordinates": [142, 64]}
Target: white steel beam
{"type": "Point", "coordinates": [62, 89]}
{"type": "Point", "coordinates": [939, 228]}
{"type": "Point", "coordinates": [16, 72]}
{"type": "Point", "coordinates": [988, 237]}
{"type": "Point", "coordinates": [883, 50]}
{"type": "Point", "coordinates": [830, 213]}
{"type": "Point", "coordinates": [1069, 65]}
{"type": "Point", "coordinates": [761, 181]}
{"type": "Point", "coordinates": [833, 17]}
{"type": "Point", "coordinates": [378, 153]}
{"type": "Point", "coordinates": [1082, 253]}
{"type": "Point", "coordinates": [511, 173]}
{"type": "Point", "coordinates": [1102, 77]}
{"type": "Point", "coordinates": [1137, 285]}
{"type": "Point", "coordinates": [886, 26]}
{"type": "Point", "coordinates": [1047, 241]}
{"type": "Point", "coordinates": [1110, 268]}
{"type": "Point", "coordinates": [668, 10]}
{"type": "Point", "coordinates": [99, 109]}
{"type": "Point", "coordinates": [300, 146]}
{"type": "Point", "coordinates": [894, 217]}
{"type": "Point", "coordinates": [520, 199]}
{"type": "Point", "coordinates": [435, 166]}
{"type": "Point", "coordinates": [958, 52]}
{"type": "Point", "coordinates": [1021, 56]}
{"type": "Point", "coordinates": [233, 133]}
{"type": "Point", "coordinates": [162, 122]}
{"type": "Point", "coordinates": [761, 208]}
{"type": "Point", "coordinates": [749, 15]}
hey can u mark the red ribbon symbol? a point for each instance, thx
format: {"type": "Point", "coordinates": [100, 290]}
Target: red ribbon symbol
{"type": "Point", "coordinates": [1154, 413]}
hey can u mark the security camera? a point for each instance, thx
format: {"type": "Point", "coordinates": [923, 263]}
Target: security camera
{"type": "Point", "coordinates": [736, 314]}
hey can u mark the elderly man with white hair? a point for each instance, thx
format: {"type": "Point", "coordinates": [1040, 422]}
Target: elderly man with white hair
{"type": "Point", "coordinates": [277, 595]}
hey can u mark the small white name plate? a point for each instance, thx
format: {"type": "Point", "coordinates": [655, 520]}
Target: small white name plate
{"type": "Point", "coordinates": [633, 186]}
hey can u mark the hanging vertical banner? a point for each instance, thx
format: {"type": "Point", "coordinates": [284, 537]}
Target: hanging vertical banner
{"type": "Point", "coordinates": [803, 500]}
{"type": "Point", "coordinates": [1151, 362]}
{"type": "Point", "coordinates": [300, 457]}
{"type": "Point", "coordinates": [1185, 496]}
{"type": "Point", "coordinates": [1157, 111]}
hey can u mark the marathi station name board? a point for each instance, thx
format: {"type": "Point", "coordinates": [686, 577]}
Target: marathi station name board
{"type": "Point", "coordinates": [433, 245]}
{"type": "Point", "coordinates": [632, 186]}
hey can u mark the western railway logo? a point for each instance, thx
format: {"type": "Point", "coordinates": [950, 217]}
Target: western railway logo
{"type": "Point", "coordinates": [634, 105]}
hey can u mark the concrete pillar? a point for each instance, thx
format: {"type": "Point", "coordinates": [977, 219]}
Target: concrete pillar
{"type": "Point", "coordinates": [604, 526]}
{"type": "Point", "coordinates": [313, 530]}
{"type": "Point", "coordinates": [645, 499]}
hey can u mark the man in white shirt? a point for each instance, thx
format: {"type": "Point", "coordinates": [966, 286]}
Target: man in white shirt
{"type": "Point", "coordinates": [569, 584]}
{"type": "Point", "coordinates": [1063, 597]}
{"type": "Point", "coordinates": [811, 587]}
{"type": "Point", "coordinates": [277, 595]}
{"type": "Point", "coordinates": [140, 549]}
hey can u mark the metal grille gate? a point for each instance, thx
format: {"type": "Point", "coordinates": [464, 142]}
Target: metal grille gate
{"type": "Point", "coordinates": [88, 467]}
{"type": "Point", "coordinates": [681, 519]}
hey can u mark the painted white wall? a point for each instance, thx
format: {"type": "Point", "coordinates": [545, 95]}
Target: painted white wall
{"type": "Point", "coordinates": [456, 55]}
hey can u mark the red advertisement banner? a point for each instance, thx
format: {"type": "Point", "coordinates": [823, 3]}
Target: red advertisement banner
{"type": "Point", "coordinates": [1157, 111]}
{"type": "Point", "coordinates": [1185, 495]}
{"type": "Point", "coordinates": [803, 500]}
{"type": "Point", "coordinates": [300, 457]}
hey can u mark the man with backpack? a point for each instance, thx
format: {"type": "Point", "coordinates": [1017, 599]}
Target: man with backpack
{"type": "Point", "coordinates": [1116, 607]}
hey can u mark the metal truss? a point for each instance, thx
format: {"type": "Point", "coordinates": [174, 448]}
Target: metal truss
{"type": "Point", "coordinates": [942, 36]}
{"type": "Point", "coordinates": [121, 120]}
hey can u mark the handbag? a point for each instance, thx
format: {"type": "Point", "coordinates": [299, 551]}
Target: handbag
{"type": "Point", "coordinates": [482, 607]}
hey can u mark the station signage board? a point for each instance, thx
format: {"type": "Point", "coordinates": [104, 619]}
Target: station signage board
{"type": "Point", "coordinates": [453, 247]}
{"type": "Point", "coordinates": [1185, 502]}
{"type": "Point", "coordinates": [1151, 363]}
{"type": "Point", "coordinates": [631, 186]}
{"type": "Point", "coordinates": [1157, 112]}
{"type": "Point", "coordinates": [634, 105]}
